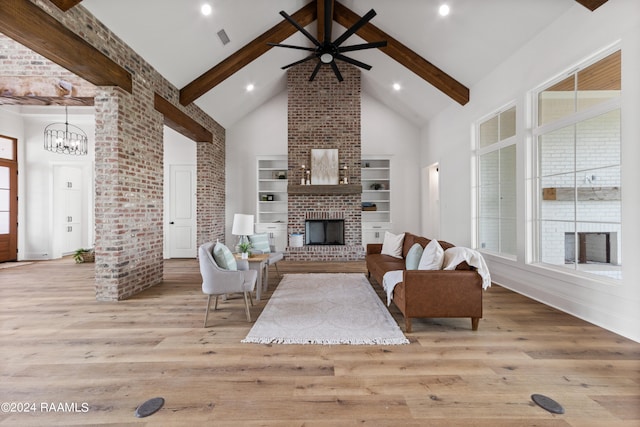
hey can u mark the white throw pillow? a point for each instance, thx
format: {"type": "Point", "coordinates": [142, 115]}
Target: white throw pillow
{"type": "Point", "coordinates": [432, 256]}
{"type": "Point", "coordinates": [392, 244]}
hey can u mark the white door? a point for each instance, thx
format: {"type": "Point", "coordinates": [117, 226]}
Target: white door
{"type": "Point", "coordinates": [182, 212]}
{"type": "Point", "coordinates": [431, 201]}
{"type": "Point", "coordinates": [68, 209]}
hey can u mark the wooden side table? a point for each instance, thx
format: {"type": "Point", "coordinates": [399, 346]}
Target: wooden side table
{"type": "Point", "coordinates": [258, 262]}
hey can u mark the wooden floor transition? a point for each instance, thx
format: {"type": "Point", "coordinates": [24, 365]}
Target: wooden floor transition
{"type": "Point", "coordinates": [69, 360]}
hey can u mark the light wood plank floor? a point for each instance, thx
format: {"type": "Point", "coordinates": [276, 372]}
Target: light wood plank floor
{"type": "Point", "coordinates": [58, 345]}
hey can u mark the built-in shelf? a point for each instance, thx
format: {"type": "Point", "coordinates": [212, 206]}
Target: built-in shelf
{"type": "Point", "coordinates": [325, 189]}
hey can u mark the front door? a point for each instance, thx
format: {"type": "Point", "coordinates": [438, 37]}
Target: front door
{"type": "Point", "coordinates": [8, 199]}
{"type": "Point", "coordinates": [182, 212]}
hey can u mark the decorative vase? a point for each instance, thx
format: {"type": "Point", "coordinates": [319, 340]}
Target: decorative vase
{"type": "Point", "coordinates": [245, 255]}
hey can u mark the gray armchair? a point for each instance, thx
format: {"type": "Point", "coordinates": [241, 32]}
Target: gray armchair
{"type": "Point", "coordinates": [218, 281]}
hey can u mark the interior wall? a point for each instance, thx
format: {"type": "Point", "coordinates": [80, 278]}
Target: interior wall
{"type": "Point", "coordinates": [572, 38]}
{"type": "Point", "coordinates": [384, 132]}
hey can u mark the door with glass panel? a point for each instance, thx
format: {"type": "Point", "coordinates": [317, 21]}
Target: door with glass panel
{"type": "Point", "coordinates": [8, 199]}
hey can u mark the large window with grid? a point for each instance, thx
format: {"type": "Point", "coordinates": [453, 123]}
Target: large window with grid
{"type": "Point", "coordinates": [577, 147]}
{"type": "Point", "coordinates": [496, 189]}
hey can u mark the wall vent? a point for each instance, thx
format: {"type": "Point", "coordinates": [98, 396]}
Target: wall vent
{"type": "Point", "coordinates": [224, 38]}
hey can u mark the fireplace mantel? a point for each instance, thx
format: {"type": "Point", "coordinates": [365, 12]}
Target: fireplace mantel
{"type": "Point", "coordinates": [325, 189]}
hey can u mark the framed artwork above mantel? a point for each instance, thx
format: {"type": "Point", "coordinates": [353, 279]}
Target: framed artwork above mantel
{"type": "Point", "coordinates": [324, 166]}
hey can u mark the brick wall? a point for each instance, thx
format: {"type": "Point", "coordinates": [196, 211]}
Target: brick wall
{"type": "Point", "coordinates": [129, 167]}
{"type": "Point", "coordinates": [325, 114]}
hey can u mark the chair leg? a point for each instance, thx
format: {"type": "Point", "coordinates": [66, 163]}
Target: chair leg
{"type": "Point", "coordinates": [206, 315]}
{"type": "Point", "coordinates": [276, 266]}
{"type": "Point", "coordinates": [250, 298]}
{"type": "Point", "coordinates": [246, 306]}
{"type": "Point", "coordinates": [215, 305]}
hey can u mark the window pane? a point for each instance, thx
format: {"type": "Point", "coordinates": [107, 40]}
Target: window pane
{"type": "Point", "coordinates": [4, 200]}
{"type": "Point", "coordinates": [4, 177]}
{"type": "Point", "coordinates": [554, 248]}
{"type": "Point", "coordinates": [557, 151]}
{"type": "Point", "coordinates": [557, 101]}
{"type": "Point", "coordinates": [6, 149]}
{"type": "Point", "coordinates": [489, 198]}
{"type": "Point", "coordinates": [489, 132]}
{"type": "Point", "coordinates": [558, 197]}
{"type": "Point", "coordinates": [489, 234]}
{"type": "Point", "coordinates": [508, 123]}
{"type": "Point", "coordinates": [508, 236]}
{"type": "Point", "coordinates": [598, 143]}
{"type": "Point", "coordinates": [508, 182]}
{"type": "Point", "coordinates": [599, 82]}
{"type": "Point", "coordinates": [4, 222]}
{"type": "Point", "coordinates": [489, 168]}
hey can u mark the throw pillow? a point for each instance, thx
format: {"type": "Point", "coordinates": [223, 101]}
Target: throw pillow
{"type": "Point", "coordinates": [260, 242]}
{"type": "Point", "coordinates": [413, 257]}
{"type": "Point", "coordinates": [223, 257]}
{"type": "Point", "coordinates": [432, 256]}
{"type": "Point", "coordinates": [392, 244]}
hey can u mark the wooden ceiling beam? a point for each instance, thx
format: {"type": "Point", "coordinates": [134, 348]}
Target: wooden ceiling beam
{"type": "Point", "coordinates": [179, 121]}
{"type": "Point", "coordinates": [29, 25]}
{"type": "Point", "coordinates": [322, 21]}
{"type": "Point", "coordinates": [246, 54]}
{"type": "Point", "coordinates": [405, 56]}
{"type": "Point", "coordinates": [592, 4]}
{"type": "Point", "coordinates": [65, 5]}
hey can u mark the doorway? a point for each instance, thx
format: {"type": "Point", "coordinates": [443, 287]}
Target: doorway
{"type": "Point", "coordinates": [182, 212]}
{"type": "Point", "coordinates": [431, 201]}
{"type": "Point", "coordinates": [8, 199]}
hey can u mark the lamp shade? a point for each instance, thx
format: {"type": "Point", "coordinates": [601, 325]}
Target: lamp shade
{"type": "Point", "coordinates": [242, 225]}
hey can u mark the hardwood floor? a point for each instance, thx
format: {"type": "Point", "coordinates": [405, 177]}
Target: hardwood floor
{"type": "Point", "coordinates": [59, 346]}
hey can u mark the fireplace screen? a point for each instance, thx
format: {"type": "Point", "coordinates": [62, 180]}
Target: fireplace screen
{"type": "Point", "coordinates": [324, 232]}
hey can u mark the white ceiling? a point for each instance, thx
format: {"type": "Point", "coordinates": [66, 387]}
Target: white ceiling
{"type": "Point", "coordinates": [178, 41]}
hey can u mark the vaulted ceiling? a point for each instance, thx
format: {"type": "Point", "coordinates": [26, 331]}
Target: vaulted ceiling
{"type": "Point", "coordinates": [433, 58]}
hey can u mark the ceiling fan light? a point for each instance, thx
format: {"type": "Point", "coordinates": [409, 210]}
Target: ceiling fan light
{"type": "Point", "coordinates": [326, 58]}
{"type": "Point", "coordinates": [206, 9]}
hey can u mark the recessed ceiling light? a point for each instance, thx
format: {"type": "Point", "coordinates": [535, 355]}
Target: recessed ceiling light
{"type": "Point", "coordinates": [206, 9]}
{"type": "Point", "coordinates": [250, 87]}
{"type": "Point", "coordinates": [396, 86]}
{"type": "Point", "coordinates": [444, 10]}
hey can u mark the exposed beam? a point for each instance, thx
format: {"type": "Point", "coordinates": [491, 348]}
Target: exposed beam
{"type": "Point", "coordinates": [181, 122]}
{"type": "Point", "coordinates": [245, 55]}
{"type": "Point", "coordinates": [592, 4]}
{"type": "Point", "coordinates": [405, 56]}
{"type": "Point", "coordinates": [29, 25]}
{"type": "Point", "coordinates": [47, 100]}
{"type": "Point", "coordinates": [65, 5]}
{"type": "Point", "coordinates": [324, 20]}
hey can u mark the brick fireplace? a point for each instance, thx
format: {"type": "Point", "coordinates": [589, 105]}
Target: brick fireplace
{"type": "Point", "coordinates": [325, 114]}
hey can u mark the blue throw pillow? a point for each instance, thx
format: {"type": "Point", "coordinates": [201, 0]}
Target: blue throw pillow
{"type": "Point", "coordinates": [223, 257]}
{"type": "Point", "coordinates": [260, 242]}
{"type": "Point", "coordinates": [413, 257]}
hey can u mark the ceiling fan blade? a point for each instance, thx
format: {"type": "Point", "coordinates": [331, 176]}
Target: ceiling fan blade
{"type": "Point", "coordinates": [355, 27]}
{"type": "Point", "coordinates": [290, 46]}
{"type": "Point", "coordinates": [353, 61]}
{"type": "Point", "coordinates": [336, 71]}
{"type": "Point", "coordinates": [362, 46]}
{"type": "Point", "coordinates": [328, 20]}
{"type": "Point", "coordinates": [315, 71]}
{"type": "Point", "coordinates": [300, 28]}
{"type": "Point", "coordinates": [298, 62]}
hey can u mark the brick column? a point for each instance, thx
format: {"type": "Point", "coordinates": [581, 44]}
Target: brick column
{"type": "Point", "coordinates": [129, 192]}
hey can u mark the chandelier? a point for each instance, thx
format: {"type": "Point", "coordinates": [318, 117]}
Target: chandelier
{"type": "Point", "coordinates": [64, 138]}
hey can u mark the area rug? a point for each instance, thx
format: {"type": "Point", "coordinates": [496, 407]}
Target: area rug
{"type": "Point", "coordinates": [337, 308]}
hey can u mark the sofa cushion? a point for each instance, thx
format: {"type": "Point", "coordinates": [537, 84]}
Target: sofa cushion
{"type": "Point", "coordinates": [392, 244]}
{"type": "Point", "coordinates": [432, 256]}
{"type": "Point", "coordinates": [223, 257]}
{"type": "Point", "coordinates": [411, 239]}
{"type": "Point", "coordinates": [412, 260]}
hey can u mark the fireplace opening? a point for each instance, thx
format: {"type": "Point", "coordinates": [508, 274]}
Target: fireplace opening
{"type": "Point", "coordinates": [324, 232]}
{"type": "Point", "coordinates": [594, 247]}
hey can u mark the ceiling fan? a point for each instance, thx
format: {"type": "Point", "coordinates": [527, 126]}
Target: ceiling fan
{"type": "Point", "coordinates": [327, 51]}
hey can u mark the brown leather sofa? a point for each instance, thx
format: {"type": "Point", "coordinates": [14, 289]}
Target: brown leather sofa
{"type": "Point", "coordinates": [429, 293]}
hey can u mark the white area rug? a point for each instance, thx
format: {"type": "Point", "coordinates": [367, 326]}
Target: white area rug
{"type": "Point", "coordinates": [325, 309]}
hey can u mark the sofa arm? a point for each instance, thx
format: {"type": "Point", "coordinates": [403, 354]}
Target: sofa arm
{"type": "Point", "coordinates": [374, 248]}
{"type": "Point", "coordinates": [446, 292]}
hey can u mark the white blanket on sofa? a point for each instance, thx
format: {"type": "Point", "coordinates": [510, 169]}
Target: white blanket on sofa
{"type": "Point", "coordinates": [452, 257]}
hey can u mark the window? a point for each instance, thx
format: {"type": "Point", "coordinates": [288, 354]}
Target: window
{"type": "Point", "coordinates": [577, 139]}
{"type": "Point", "coordinates": [496, 149]}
